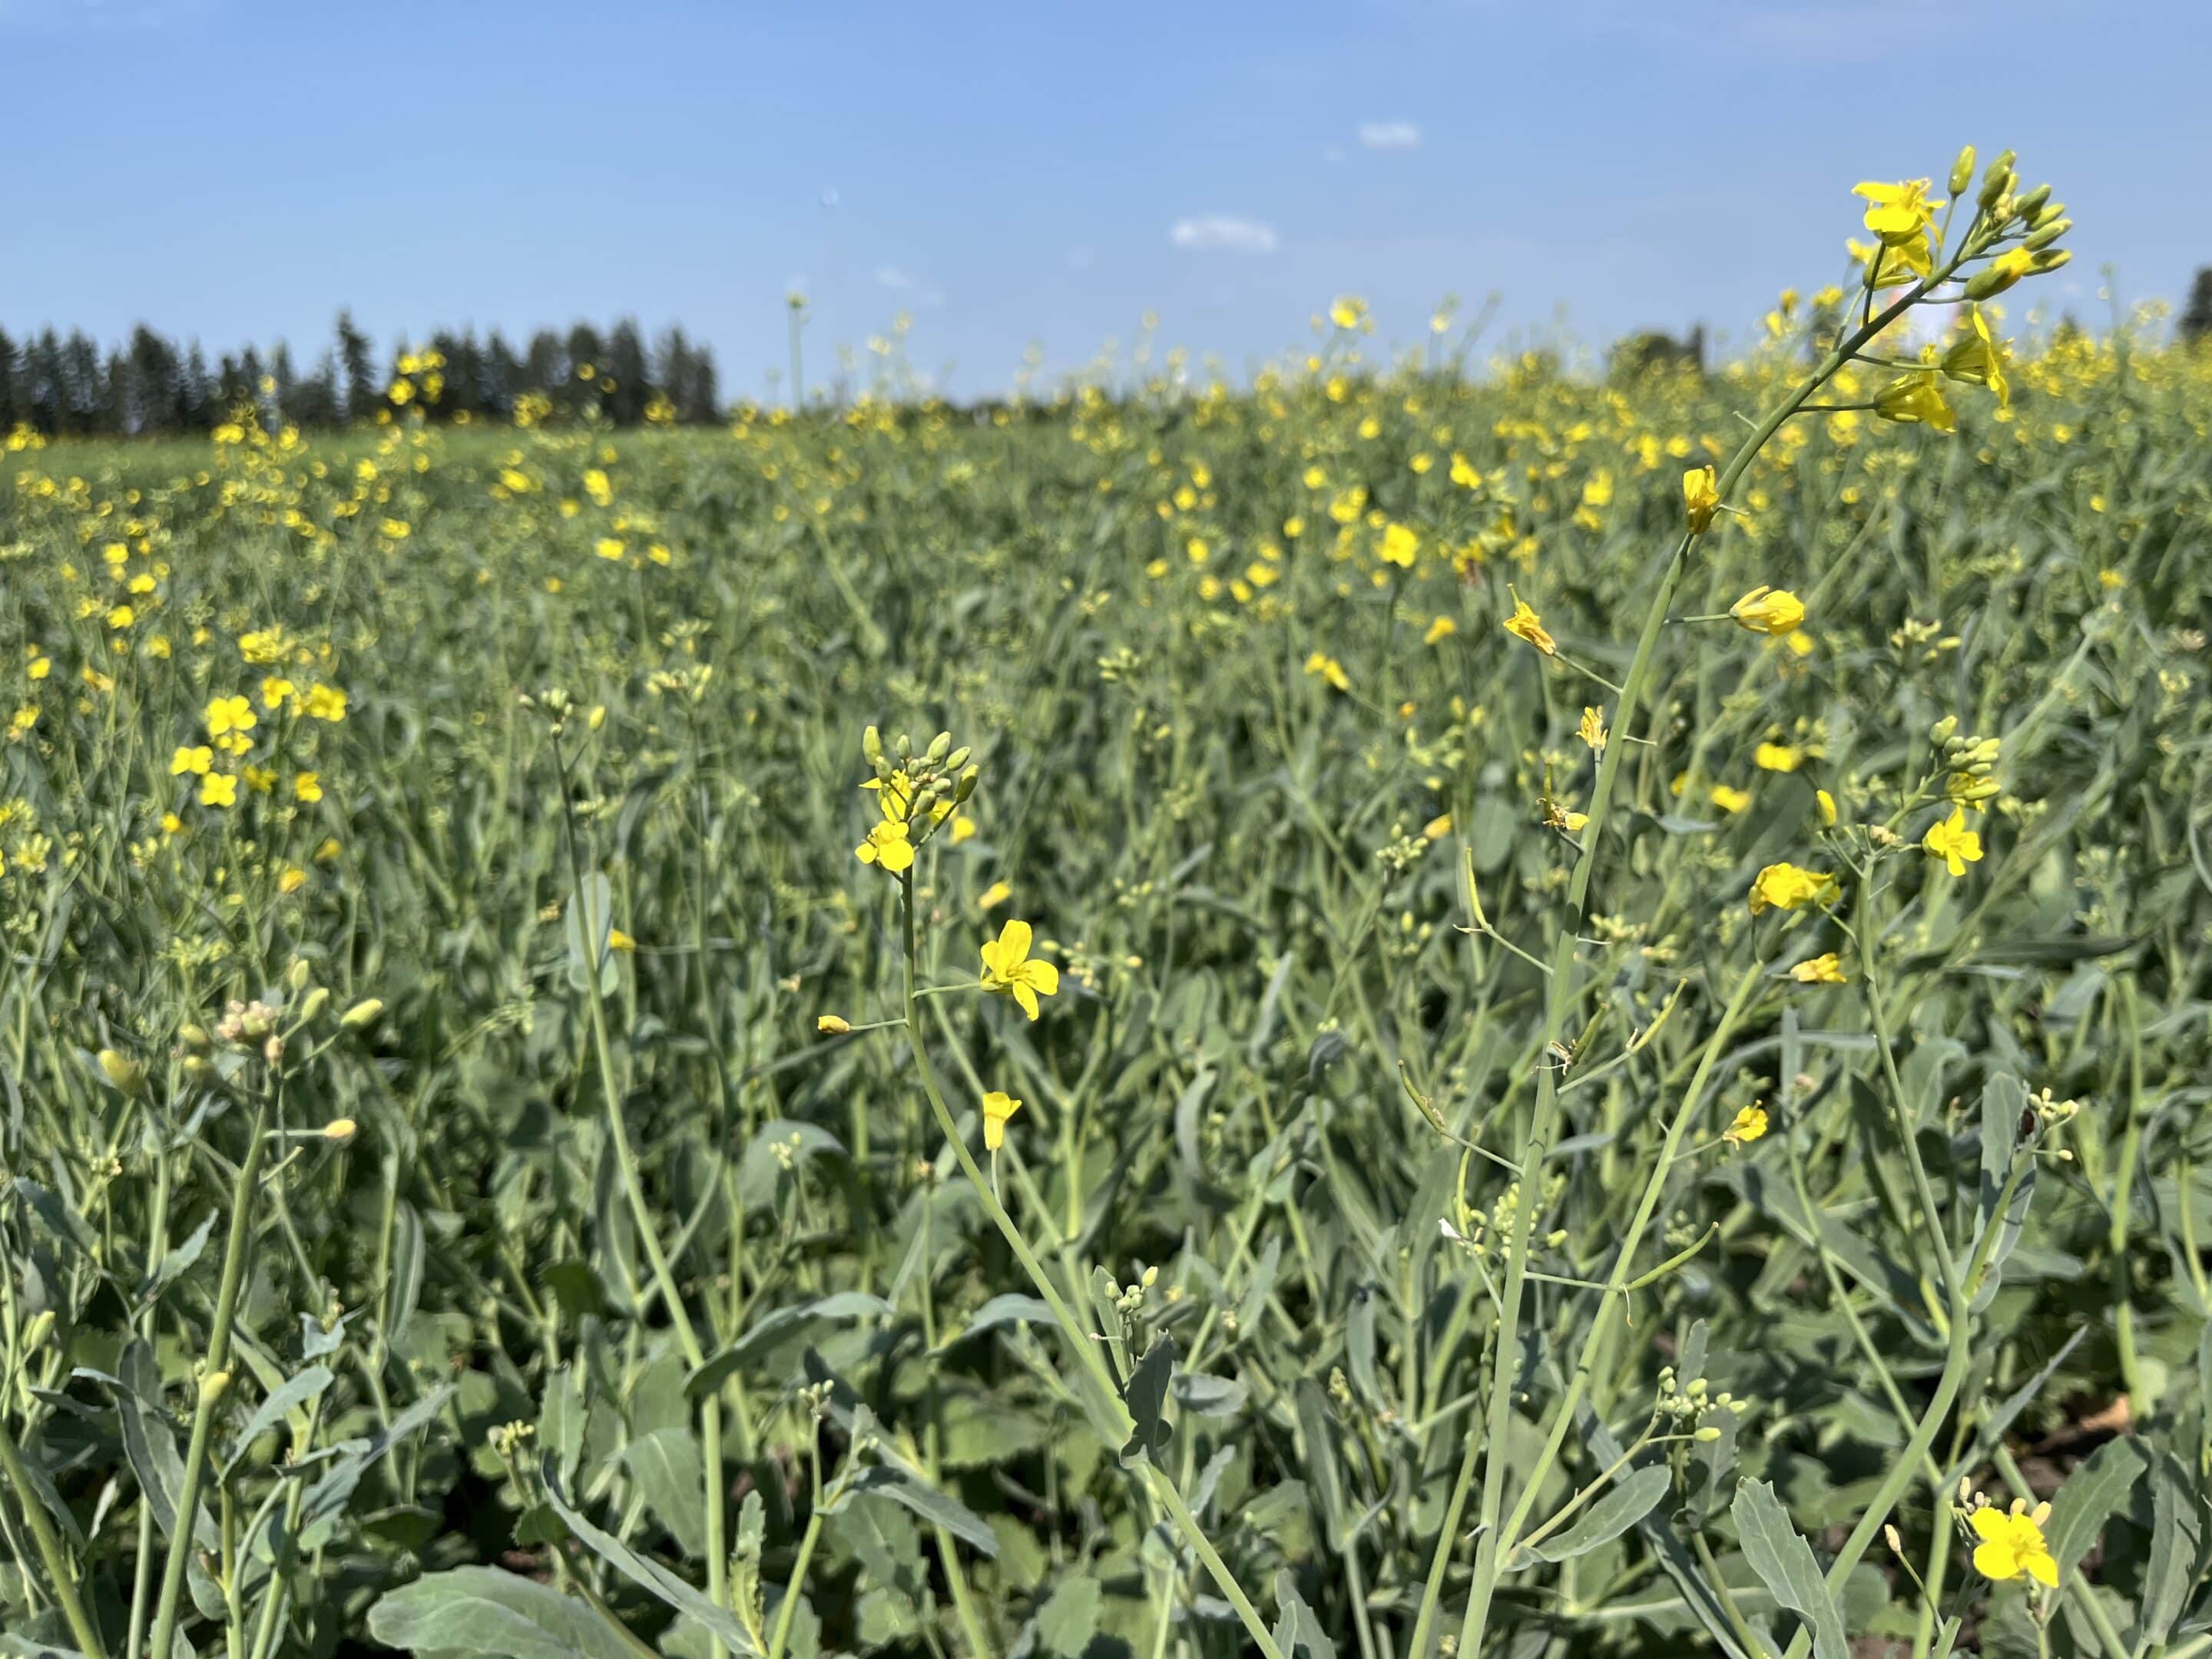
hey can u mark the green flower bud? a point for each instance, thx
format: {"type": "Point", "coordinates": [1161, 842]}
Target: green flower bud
{"type": "Point", "coordinates": [1941, 732]}
{"type": "Point", "coordinates": [128, 1076]}
{"type": "Point", "coordinates": [966, 786]}
{"type": "Point", "coordinates": [2026, 205]}
{"type": "Point", "coordinates": [957, 759]}
{"type": "Point", "coordinates": [314, 1002]}
{"type": "Point", "coordinates": [871, 745]}
{"type": "Point", "coordinates": [939, 747]}
{"type": "Point", "coordinates": [40, 1327]}
{"type": "Point", "coordinates": [363, 1012]}
{"type": "Point", "coordinates": [201, 1070]}
{"type": "Point", "coordinates": [1962, 170]}
{"type": "Point", "coordinates": [213, 1387]}
{"type": "Point", "coordinates": [2049, 259]}
{"type": "Point", "coordinates": [904, 748]}
{"type": "Point", "coordinates": [194, 1039]}
{"type": "Point", "coordinates": [1707, 1435]}
{"type": "Point", "coordinates": [295, 976]}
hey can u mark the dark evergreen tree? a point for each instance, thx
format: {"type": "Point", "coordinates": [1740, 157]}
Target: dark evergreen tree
{"type": "Point", "coordinates": [363, 390]}
{"type": "Point", "coordinates": [2196, 324]}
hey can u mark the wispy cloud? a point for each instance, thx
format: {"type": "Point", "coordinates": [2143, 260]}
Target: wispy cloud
{"type": "Point", "coordinates": [892, 278]}
{"type": "Point", "coordinates": [1222, 232]}
{"type": "Point", "coordinates": [1389, 135]}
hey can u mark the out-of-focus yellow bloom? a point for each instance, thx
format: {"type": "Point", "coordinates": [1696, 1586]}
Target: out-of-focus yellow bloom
{"type": "Point", "coordinates": [1825, 803]}
{"type": "Point", "coordinates": [887, 848]}
{"type": "Point", "coordinates": [1980, 358]}
{"type": "Point", "coordinates": [326, 702]}
{"type": "Point", "coordinates": [997, 1109]}
{"type": "Point", "coordinates": [218, 789]}
{"type": "Point", "coordinates": [1746, 1126]}
{"type": "Point", "coordinates": [1789, 887]}
{"type": "Point", "coordinates": [1731, 800]}
{"type": "Point", "coordinates": [995, 895]}
{"type": "Point", "coordinates": [1330, 670]}
{"type": "Point", "coordinates": [308, 788]}
{"type": "Point", "coordinates": [1008, 967]}
{"type": "Point", "coordinates": [227, 714]}
{"type": "Point", "coordinates": [1400, 546]}
{"type": "Point", "coordinates": [1441, 628]}
{"type": "Point", "coordinates": [1592, 730]}
{"type": "Point", "coordinates": [1826, 968]}
{"type": "Point", "coordinates": [195, 759]}
{"type": "Point", "coordinates": [1348, 311]}
{"type": "Point", "coordinates": [1778, 758]}
{"type": "Point", "coordinates": [1916, 399]}
{"type": "Point", "coordinates": [1768, 610]}
{"type": "Point", "coordinates": [1952, 842]}
{"type": "Point", "coordinates": [832, 1024]}
{"type": "Point", "coordinates": [1700, 498]}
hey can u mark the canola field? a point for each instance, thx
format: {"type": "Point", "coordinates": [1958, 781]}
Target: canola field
{"type": "Point", "coordinates": [1521, 1014]}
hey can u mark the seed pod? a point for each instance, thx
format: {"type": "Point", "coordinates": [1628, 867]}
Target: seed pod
{"type": "Point", "coordinates": [363, 1012]}
{"type": "Point", "coordinates": [1962, 170]}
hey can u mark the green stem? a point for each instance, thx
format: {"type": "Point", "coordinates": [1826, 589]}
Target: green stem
{"type": "Point", "coordinates": [62, 1577]}
{"type": "Point", "coordinates": [236, 1248]}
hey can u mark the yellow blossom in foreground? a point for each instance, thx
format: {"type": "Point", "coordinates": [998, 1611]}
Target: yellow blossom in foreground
{"type": "Point", "coordinates": [618, 940]}
{"type": "Point", "coordinates": [1009, 968]}
{"type": "Point", "coordinates": [1746, 1126]}
{"type": "Point", "coordinates": [1953, 843]}
{"type": "Point", "coordinates": [218, 789]}
{"type": "Point", "coordinates": [1778, 758]}
{"type": "Point", "coordinates": [1441, 628]}
{"type": "Point", "coordinates": [228, 714]}
{"type": "Point", "coordinates": [2013, 1546]}
{"type": "Point", "coordinates": [887, 848]}
{"type": "Point", "coordinates": [1916, 399]}
{"type": "Point", "coordinates": [1525, 624]}
{"type": "Point", "coordinates": [832, 1024]}
{"type": "Point", "coordinates": [1731, 800]}
{"type": "Point", "coordinates": [308, 788]}
{"type": "Point", "coordinates": [195, 759]}
{"type": "Point", "coordinates": [964, 828]}
{"type": "Point", "coordinates": [1824, 970]}
{"type": "Point", "coordinates": [1768, 610]}
{"type": "Point", "coordinates": [1825, 803]}
{"type": "Point", "coordinates": [1701, 499]}
{"type": "Point", "coordinates": [326, 702]}
{"type": "Point", "coordinates": [1400, 544]}
{"type": "Point", "coordinates": [997, 1109]}
{"type": "Point", "coordinates": [1789, 887]}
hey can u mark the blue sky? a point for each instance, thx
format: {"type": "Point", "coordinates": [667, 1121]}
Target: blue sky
{"type": "Point", "coordinates": [1043, 175]}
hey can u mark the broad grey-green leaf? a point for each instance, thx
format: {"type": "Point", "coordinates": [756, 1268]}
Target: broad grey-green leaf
{"type": "Point", "coordinates": [1631, 1499]}
{"type": "Point", "coordinates": [884, 1540]}
{"type": "Point", "coordinates": [2177, 1535]}
{"type": "Point", "coordinates": [1359, 1346]}
{"type": "Point", "coordinates": [932, 1505]}
{"type": "Point", "coordinates": [176, 1263]}
{"type": "Point", "coordinates": [650, 1575]}
{"type": "Point", "coordinates": [1066, 1622]}
{"type": "Point", "coordinates": [671, 1476]}
{"type": "Point", "coordinates": [1315, 1429]}
{"type": "Point", "coordinates": [2099, 1484]}
{"type": "Point", "coordinates": [1009, 1308]}
{"type": "Point", "coordinates": [403, 1288]}
{"type": "Point", "coordinates": [1298, 1634]}
{"type": "Point", "coordinates": [479, 1610]}
{"type": "Point", "coordinates": [779, 1326]}
{"type": "Point", "coordinates": [1785, 1563]}
{"type": "Point", "coordinates": [295, 1391]}
{"type": "Point", "coordinates": [327, 1498]}
{"type": "Point", "coordinates": [1145, 1397]}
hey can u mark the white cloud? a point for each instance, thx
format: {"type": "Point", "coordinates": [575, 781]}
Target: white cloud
{"type": "Point", "coordinates": [1222, 232]}
{"type": "Point", "coordinates": [1081, 258]}
{"type": "Point", "coordinates": [1389, 135]}
{"type": "Point", "coordinates": [892, 278]}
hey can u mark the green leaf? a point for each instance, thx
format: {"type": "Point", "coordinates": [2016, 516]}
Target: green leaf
{"type": "Point", "coordinates": [1066, 1624]}
{"type": "Point", "coordinates": [403, 1288]}
{"type": "Point", "coordinates": [650, 1575]}
{"type": "Point", "coordinates": [1785, 1563]}
{"type": "Point", "coordinates": [1631, 1499]}
{"type": "Point", "coordinates": [296, 1391]}
{"type": "Point", "coordinates": [178, 1262]}
{"type": "Point", "coordinates": [477, 1610]}
{"type": "Point", "coordinates": [1315, 1429]}
{"type": "Point", "coordinates": [2176, 1535]}
{"type": "Point", "coordinates": [1145, 1397]}
{"type": "Point", "coordinates": [1298, 1634]}
{"type": "Point", "coordinates": [932, 1505]}
{"type": "Point", "coordinates": [671, 1476]}
{"type": "Point", "coordinates": [782, 1325]}
{"type": "Point", "coordinates": [1010, 1309]}
{"type": "Point", "coordinates": [327, 1498]}
{"type": "Point", "coordinates": [884, 1540]}
{"type": "Point", "coordinates": [2099, 1485]}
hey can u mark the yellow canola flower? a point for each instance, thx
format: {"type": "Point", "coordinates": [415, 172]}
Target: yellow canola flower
{"type": "Point", "coordinates": [1441, 628]}
{"type": "Point", "coordinates": [218, 789]}
{"type": "Point", "coordinates": [1525, 624]}
{"type": "Point", "coordinates": [1789, 887]}
{"type": "Point", "coordinates": [1953, 843]}
{"type": "Point", "coordinates": [1746, 1126]}
{"type": "Point", "coordinates": [1592, 730]}
{"type": "Point", "coordinates": [1330, 669]}
{"type": "Point", "coordinates": [1980, 358]}
{"type": "Point", "coordinates": [1826, 968]}
{"type": "Point", "coordinates": [195, 759]}
{"type": "Point", "coordinates": [1768, 610]}
{"type": "Point", "coordinates": [2013, 1546]}
{"type": "Point", "coordinates": [1916, 399]}
{"type": "Point", "coordinates": [995, 895]}
{"type": "Point", "coordinates": [1009, 968]}
{"type": "Point", "coordinates": [1400, 544]}
{"type": "Point", "coordinates": [997, 1109]}
{"type": "Point", "coordinates": [1826, 805]}
{"type": "Point", "coordinates": [887, 848]}
{"type": "Point", "coordinates": [228, 714]}
{"type": "Point", "coordinates": [1701, 499]}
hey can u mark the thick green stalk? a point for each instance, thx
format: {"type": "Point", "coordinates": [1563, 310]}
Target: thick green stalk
{"type": "Point", "coordinates": [236, 1248]}
{"type": "Point", "coordinates": [61, 1576]}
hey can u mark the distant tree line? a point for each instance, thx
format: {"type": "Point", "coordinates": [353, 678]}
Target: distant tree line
{"type": "Point", "coordinates": [67, 386]}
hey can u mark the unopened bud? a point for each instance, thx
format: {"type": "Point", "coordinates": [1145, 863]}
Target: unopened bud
{"type": "Point", "coordinates": [35, 1332]}
{"type": "Point", "coordinates": [1896, 1542]}
{"type": "Point", "coordinates": [902, 746]}
{"type": "Point", "coordinates": [1942, 730]}
{"type": "Point", "coordinates": [832, 1024]}
{"type": "Point", "coordinates": [128, 1076]}
{"type": "Point", "coordinates": [199, 1069]}
{"type": "Point", "coordinates": [295, 976]}
{"type": "Point", "coordinates": [314, 1002]}
{"type": "Point", "coordinates": [871, 745]}
{"type": "Point", "coordinates": [939, 747]}
{"type": "Point", "coordinates": [273, 1051]}
{"type": "Point", "coordinates": [1962, 170]}
{"type": "Point", "coordinates": [363, 1012]}
{"type": "Point", "coordinates": [2049, 259]}
{"type": "Point", "coordinates": [958, 758]}
{"type": "Point", "coordinates": [213, 1387]}
{"type": "Point", "coordinates": [966, 786]}
{"type": "Point", "coordinates": [1706, 1436]}
{"type": "Point", "coordinates": [340, 1129]}
{"type": "Point", "coordinates": [2025, 205]}
{"type": "Point", "coordinates": [2048, 234]}
{"type": "Point", "coordinates": [194, 1039]}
